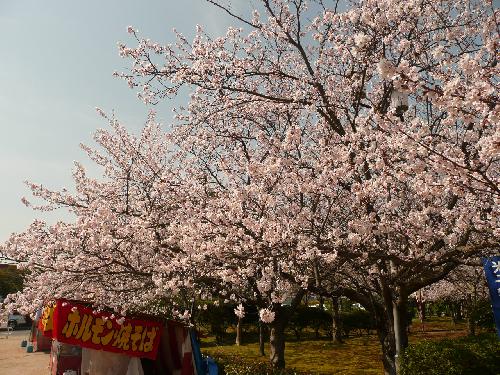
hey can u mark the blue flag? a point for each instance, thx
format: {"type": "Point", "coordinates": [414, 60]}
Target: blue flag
{"type": "Point", "coordinates": [492, 271]}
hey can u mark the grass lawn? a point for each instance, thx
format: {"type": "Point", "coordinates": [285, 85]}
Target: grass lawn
{"type": "Point", "coordinates": [358, 355]}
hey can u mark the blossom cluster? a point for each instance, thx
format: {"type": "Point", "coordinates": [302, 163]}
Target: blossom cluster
{"type": "Point", "coordinates": [356, 146]}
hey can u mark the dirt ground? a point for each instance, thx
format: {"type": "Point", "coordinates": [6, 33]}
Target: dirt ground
{"type": "Point", "coordinates": [15, 361]}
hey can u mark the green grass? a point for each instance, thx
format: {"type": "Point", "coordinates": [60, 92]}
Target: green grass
{"type": "Point", "coordinates": [317, 356]}
{"type": "Point", "coordinates": [358, 355]}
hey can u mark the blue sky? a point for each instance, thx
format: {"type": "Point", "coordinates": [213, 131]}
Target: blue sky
{"type": "Point", "coordinates": [56, 63]}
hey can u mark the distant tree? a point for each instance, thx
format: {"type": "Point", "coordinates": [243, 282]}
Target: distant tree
{"type": "Point", "coordinates": [110, 254]}
{"type": "Point", "coordinates": [11, 280]}
{"type": "Point", "coordinates": [465, 290]}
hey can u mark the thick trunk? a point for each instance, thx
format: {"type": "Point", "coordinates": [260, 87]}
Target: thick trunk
{"type": "Point", "coordinates": [391, 343]}
{"type": "Point", "coordinates": [471, 323]}
{"type": "Point", "coordinates": [336, 321]}
{"type": "Point", "coordinates": [277, 334]}
{"type": "Point", "coordinates": [386, 339]}
{"type": "Point", "coordinates": [400, 324]}
{"type": "Point", "coordinates": [261, 339]}
{"type": "Point", "coordinates": [392, 329]}
{"type": "Point", "coordinates": [277, 341]}
{"type": "Point", "coordinates": [238, 332]}
{"type": "Point", "coordinates": [385, 330]}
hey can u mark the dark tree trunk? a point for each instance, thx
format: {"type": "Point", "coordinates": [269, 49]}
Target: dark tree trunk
{"type": "Point", "coordinates": [261, 339]}
{"type": "Point", "coordinates": [277, 340]}
{"type": "Point", "coordinates": [421, 310]}
{"type": "Point", "coordinates": [472, 313]}
{"type": "Point", "coordinates": [471, 322]}
{"type": "Point", "coordinates": [471, 326]}
{"type": "Point", "coordinates": [386, 340]}
{"type": "Point", "coordinates": [392, 321]}
{"type": "Point", "coordinates": [456, 312]}
{"type": "Point", "coordinates": [277, 346]}
{"type": "Point", "coordinates": [385, 328]}
{"type": "Point", "coordinates": [400, 324]}
{"type": "Point", "coordinates": [238, 332]}
{"type": "Point", "coordinates": [336, 321]}
{"type": "Point", "coordinates": [277, 334]}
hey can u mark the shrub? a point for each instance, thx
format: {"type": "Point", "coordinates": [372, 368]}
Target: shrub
{"type": "Point", "coordinates": [217, 319]}
{"type": "Point", "coordinates": [309, 317]}
{"type": "Point", "coordinates": [466, 356]}
{"type": "Point", "coordinates": [483, 315]}
{"type": "Point", "coordinates": [11, 280]}
{"type": "Point", "coordinates": [357, 320]}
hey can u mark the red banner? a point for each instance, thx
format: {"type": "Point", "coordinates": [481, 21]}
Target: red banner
{"type": "Point", "coordinates": [77, 324]}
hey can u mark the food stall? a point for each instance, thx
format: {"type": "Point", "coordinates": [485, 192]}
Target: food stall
{"type": "Point", "coordinates": [39, 341]}
{"type": "Point", "coordinates": [90, 342]}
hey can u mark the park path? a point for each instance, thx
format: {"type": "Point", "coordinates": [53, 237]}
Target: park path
{"type": "Point", "coordinates": [15, 361]}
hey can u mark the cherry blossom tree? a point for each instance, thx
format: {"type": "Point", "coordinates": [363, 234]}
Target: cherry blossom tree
{"type": "Point", "coordinates": [335, 138]}
{"type": "Point", "coordinates": [109, 254]}
{"type": "Point", "coordinates": [147, 231]}
{"type": "Point", "coordinates": [465, 286]}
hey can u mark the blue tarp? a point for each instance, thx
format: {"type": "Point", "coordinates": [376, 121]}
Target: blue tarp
{"type": "Point", "coordinates": [204, 366]}
{"type": "Point", "coordinates": [198, 361]}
